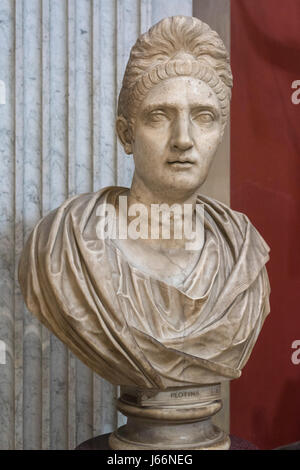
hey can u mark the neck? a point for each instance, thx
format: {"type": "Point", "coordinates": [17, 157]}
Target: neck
{"type": "Point", "coordinates": [139, 192]}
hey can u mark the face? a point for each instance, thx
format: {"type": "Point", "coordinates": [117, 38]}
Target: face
{"type": "Point", "coordinates": [176, 133]}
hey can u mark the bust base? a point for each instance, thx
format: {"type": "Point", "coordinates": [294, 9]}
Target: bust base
{"type": "Point", "coordinates": [174, 419]}
{"type": "Point", "coordinates": [101, 443]}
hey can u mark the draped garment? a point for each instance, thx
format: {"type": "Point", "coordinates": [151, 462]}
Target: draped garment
{"type": "Point", "coordinates": [133, 329]}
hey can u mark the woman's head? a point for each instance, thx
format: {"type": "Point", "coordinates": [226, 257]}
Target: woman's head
{"type": "Point", "coordinates": [176, 46]}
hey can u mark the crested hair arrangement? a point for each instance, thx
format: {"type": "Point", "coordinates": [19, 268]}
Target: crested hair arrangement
{"type": "Point", "coordinates": [176, 46]}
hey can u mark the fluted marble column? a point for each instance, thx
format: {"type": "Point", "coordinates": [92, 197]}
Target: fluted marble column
{"type": "Point", "coordinates": [61, 65]}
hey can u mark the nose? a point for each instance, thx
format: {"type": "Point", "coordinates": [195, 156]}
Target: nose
{"type": "Point", "coordinates": [181, 135]}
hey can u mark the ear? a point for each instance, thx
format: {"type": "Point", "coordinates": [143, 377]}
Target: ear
{"type": "Point", "coordinates": [124, 133]}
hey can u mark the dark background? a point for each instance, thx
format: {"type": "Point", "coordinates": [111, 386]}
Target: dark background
{"type": "Point", "coordinates": [265, 184]}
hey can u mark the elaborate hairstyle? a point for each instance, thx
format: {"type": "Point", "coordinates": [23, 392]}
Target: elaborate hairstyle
{"type": "Point", "coordinates": [176, 46]}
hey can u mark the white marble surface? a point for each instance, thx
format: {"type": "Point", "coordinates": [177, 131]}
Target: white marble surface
{"type": "Point", "coordinates": [7, 233]}
{"type": "Point", "coordinates": [61, 62]}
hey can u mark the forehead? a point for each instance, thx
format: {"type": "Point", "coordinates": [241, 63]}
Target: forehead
{"type": "Point", "coordinates": [180, 92]}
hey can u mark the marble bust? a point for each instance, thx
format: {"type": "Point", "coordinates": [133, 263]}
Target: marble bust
{"type": "Point", "coordinates": [145, 312]}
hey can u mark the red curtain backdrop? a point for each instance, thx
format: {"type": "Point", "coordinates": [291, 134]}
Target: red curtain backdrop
{"type": "Point", "coordinates": [265, 185]}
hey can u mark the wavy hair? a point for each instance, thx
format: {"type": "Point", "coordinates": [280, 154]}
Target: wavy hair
{"type": "Point", "coordinates": [176, 46]}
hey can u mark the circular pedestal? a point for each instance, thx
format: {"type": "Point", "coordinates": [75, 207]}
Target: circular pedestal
{"type": "Point", "coordinates": [170, 420]}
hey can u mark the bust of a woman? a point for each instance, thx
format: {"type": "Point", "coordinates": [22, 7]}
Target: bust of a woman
{"type": "Point", "coordinates": [142, 309]}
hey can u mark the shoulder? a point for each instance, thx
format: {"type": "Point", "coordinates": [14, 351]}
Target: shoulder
{"type": "Point", "coordinates": [222, 211]}
{"type": "Point", "coordinates": [70, 217]}
{"type": "Point", "coordinates": [234, 225]}
{"type": "Point", "coordinates": [81, 206]}
{"type": "Point", "coordinates": [59, 228]}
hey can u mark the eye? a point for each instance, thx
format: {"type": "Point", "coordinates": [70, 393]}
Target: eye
{"type": "Point", "coordinates": [157, 116]}
{"type": "Point", "coordinates": [204, 117]}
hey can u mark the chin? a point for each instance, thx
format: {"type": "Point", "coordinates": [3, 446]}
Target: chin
{"type": "Point", "coordinates": [179, 192]}
{"type": "Point", "coordinates": [186, 184]}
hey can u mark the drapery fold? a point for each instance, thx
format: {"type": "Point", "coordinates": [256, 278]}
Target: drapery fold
{"type": "Point", "coordinates": [133, 329]}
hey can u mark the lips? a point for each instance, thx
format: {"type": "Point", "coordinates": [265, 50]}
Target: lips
{"type": "Point", "coordinates": [181, 163]}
